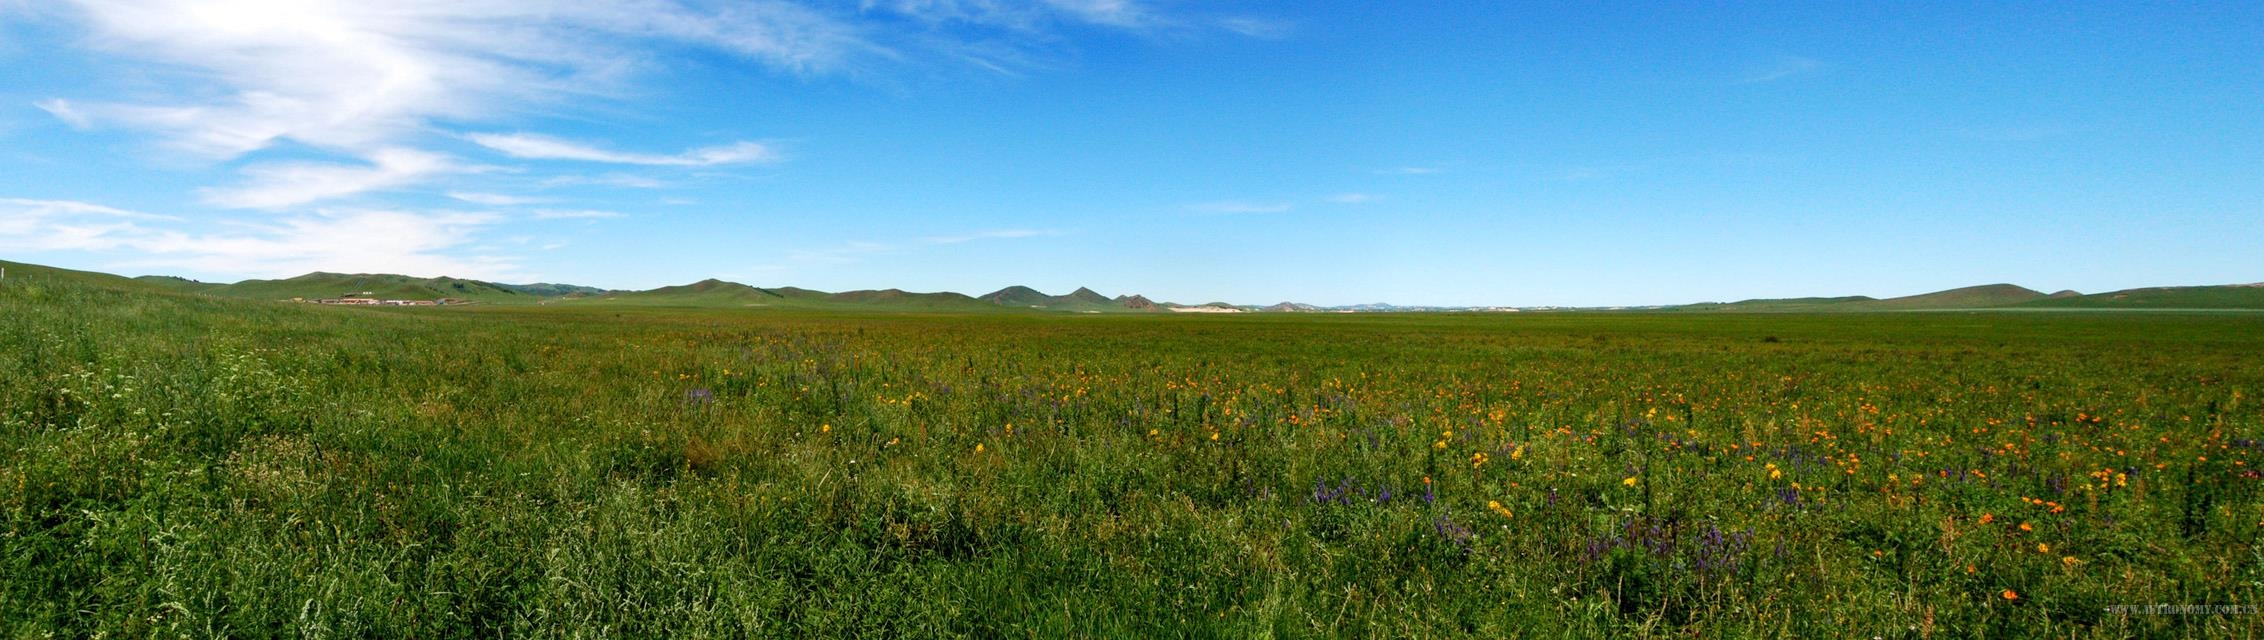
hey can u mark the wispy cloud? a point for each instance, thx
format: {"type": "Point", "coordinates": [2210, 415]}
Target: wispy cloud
{"type": "Point", "coordinates": [1787, 67]}
{"type": "Point", "coordinates": [67, 225]}
{"type": "Point", "coordinates": [280, 185]}
{"type": "Point", "coordinates": [575, 214]}
{"type": "Point", "coordinates": [495, 199]}
{"type": "Point", "coordinates": [625, 180]}
{"type": "Point", "coordinates": [353, 76]}
{"type": "Point", "coordinates": [1241, 206]}
{"type": "Point", "coordinates": [988, 235]}
{"type": "Point", "coordinates": [1255, 27]}
{"type": "Point", "coordinates": [1409, 171]}
{"type": "Point", "coordinates": [534, 146]}
{"type": "Point", "coordinates": [363, 240]}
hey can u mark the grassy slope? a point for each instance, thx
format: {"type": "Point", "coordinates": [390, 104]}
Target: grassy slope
{"type": "Point", "coordinates": [177, 465]}
{"type": "Point", "coordinates": [315, 286]}
{"type": "Point", "coordinates": [2216, 297]}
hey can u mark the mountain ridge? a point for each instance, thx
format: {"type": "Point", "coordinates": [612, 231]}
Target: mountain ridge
{"type": "Point", "coordinates": [715, 292]}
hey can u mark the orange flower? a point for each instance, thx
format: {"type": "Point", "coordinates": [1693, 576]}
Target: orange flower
{"type": "Point", "coordinates": [2024, 527]}
{"type": "Point", "coordinates": [1987, 518]}
{"type": "Point", "coordinates": [2010, 595]}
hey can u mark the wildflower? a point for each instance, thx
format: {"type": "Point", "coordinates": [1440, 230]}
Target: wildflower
{"type": "Point", "coordinates": [2043, 548]}
{"type": "Point", "coordinates": [1518, 453]}
{"type": "Point", "coordinates": [1630, 481]}
{"type": "Point", "coordinates": [2009, 595]}
{"type": "Point", "coordinates": [978, 447]}
{"type": "Point", "coordinates": [1477, 459]}
{"type": "Point", "coordinates": [2024, 527]}
{"type": "Point", "coordinates": [2070, 561]}
{"type": "Point", "coordinates": [1495, 505]}
{"type": "Point", "coordinates": [825, 428]}
{"type": "Point", "coordinates": [1987, 518]}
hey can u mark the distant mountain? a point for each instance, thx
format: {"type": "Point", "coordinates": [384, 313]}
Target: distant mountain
{"type": "Point", "coordinates": [1137, 303]}
{"type": "Point", "coordinates": [2232, 296]}
{"type": "Point", "coordinates": [725, 294]}
{"type": "Point", "coordinates": [1980, 297]}
{"type": "Point", "coordinates": [549, 290]}
{"type": "Point", "coordinates": [320, 285]}
{"type": "Point", "coordinates": [1083, 300]}
{"type": "Point", "coordinates": [2006, 296]}
{"type": "Point", "coordinates": [1017, 296]}
{"type": "Point", "coordinates": [901, 299]}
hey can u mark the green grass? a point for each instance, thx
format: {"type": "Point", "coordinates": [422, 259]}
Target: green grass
{"type": "Point", "coordinates": [189, 465]}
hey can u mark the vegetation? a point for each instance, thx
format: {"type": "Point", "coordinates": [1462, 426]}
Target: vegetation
{"type": "Point", "coordinates": [189, 465]}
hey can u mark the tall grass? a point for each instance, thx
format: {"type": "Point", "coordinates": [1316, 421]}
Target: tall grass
{"type": "Point", "coordinates": [180, 465]}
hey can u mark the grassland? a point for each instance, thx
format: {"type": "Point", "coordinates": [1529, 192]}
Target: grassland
{"type": "Point", "coordinates": [187, 465]}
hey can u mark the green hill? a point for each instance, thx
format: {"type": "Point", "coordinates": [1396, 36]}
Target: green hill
{"type": "Point", "coordinates": [2237, 296]}
{"type": "Point", "coordinates": [906, 300]}
{"type": "Point", "coordinates": [712, 293]}
{"type": "Point", "coordinates": [321, 285]}
{"type": "Point", "coordinates": [27, 272]}
{"type": "Point", "coordinates": [1977, 297]}
{"type": "Point", "coordinates": [1083, 300]}
{"type": "Point", "coordinates": [179, 284]}
{"type": "Point", "coordinates": [1781, 304]}
{"type": "Point", "coordinates": [1017, 296]}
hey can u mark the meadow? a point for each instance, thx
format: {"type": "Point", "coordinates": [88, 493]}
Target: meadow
{"type": "Point", "coordinates": [181, 465]}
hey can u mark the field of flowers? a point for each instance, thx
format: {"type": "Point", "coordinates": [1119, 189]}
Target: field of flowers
{"type": "Point", "coordinates": [179, 465]}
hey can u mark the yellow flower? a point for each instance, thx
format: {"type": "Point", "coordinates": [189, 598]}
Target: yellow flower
{"type": "Point", "coordinates": [1630, 481]}
{"type": "Point", "coordinates": [2070, 561]}
{"type": "Point", "coordinates": [2043, 548]}
{"type": "Point", "coordinates": [825, 428]}
{"type": "Point", "coordinates": [978, 447]}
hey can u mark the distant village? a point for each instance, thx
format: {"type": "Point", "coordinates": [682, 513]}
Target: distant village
{"type": "Point", "coordinates": [364, 298]}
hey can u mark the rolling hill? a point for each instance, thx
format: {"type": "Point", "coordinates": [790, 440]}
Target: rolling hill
{"type": "Point", "coordinates": [2234, 296]}
{"type": "Point", "coordinates": [724, 294]}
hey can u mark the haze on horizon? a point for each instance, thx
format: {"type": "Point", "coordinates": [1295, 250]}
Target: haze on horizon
{"type": "Point", "coordinates": [1253, 152]}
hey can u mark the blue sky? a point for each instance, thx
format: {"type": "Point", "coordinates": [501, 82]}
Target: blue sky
{"type": "Point", "coordinates": [1252, 152]}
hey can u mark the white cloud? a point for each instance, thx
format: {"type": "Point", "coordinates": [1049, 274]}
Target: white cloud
{"type": "Point", "coordinates": [574, 214]}
{"type": "Point", "coordinates": [1117, 13]}
{"type": "Point", "coordinates": [631, 181]}
{"type": "Point", "coordinates": [67, 225]}
{"type": "Point", "coordinates": [494, 199]}
{"type": "Point", "coordinates": [988, 235]}
{"type": "Point", "coordinates": [353, 75]}
{"type": "Point", "coordinates": [353, 241]}
{"type": "Point", "coordinates": [1239, 206]}
{"type": "Point", "coordinates": [280, 185]}
{"type": "Point", "coordinates": [541, 147]}
{"type": "Point", "coordinates": [1256, 27]}
{"type": "Point", "coordinates": [1783, 68]}
{"type": "Point", "coordinates": [63, 111]}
